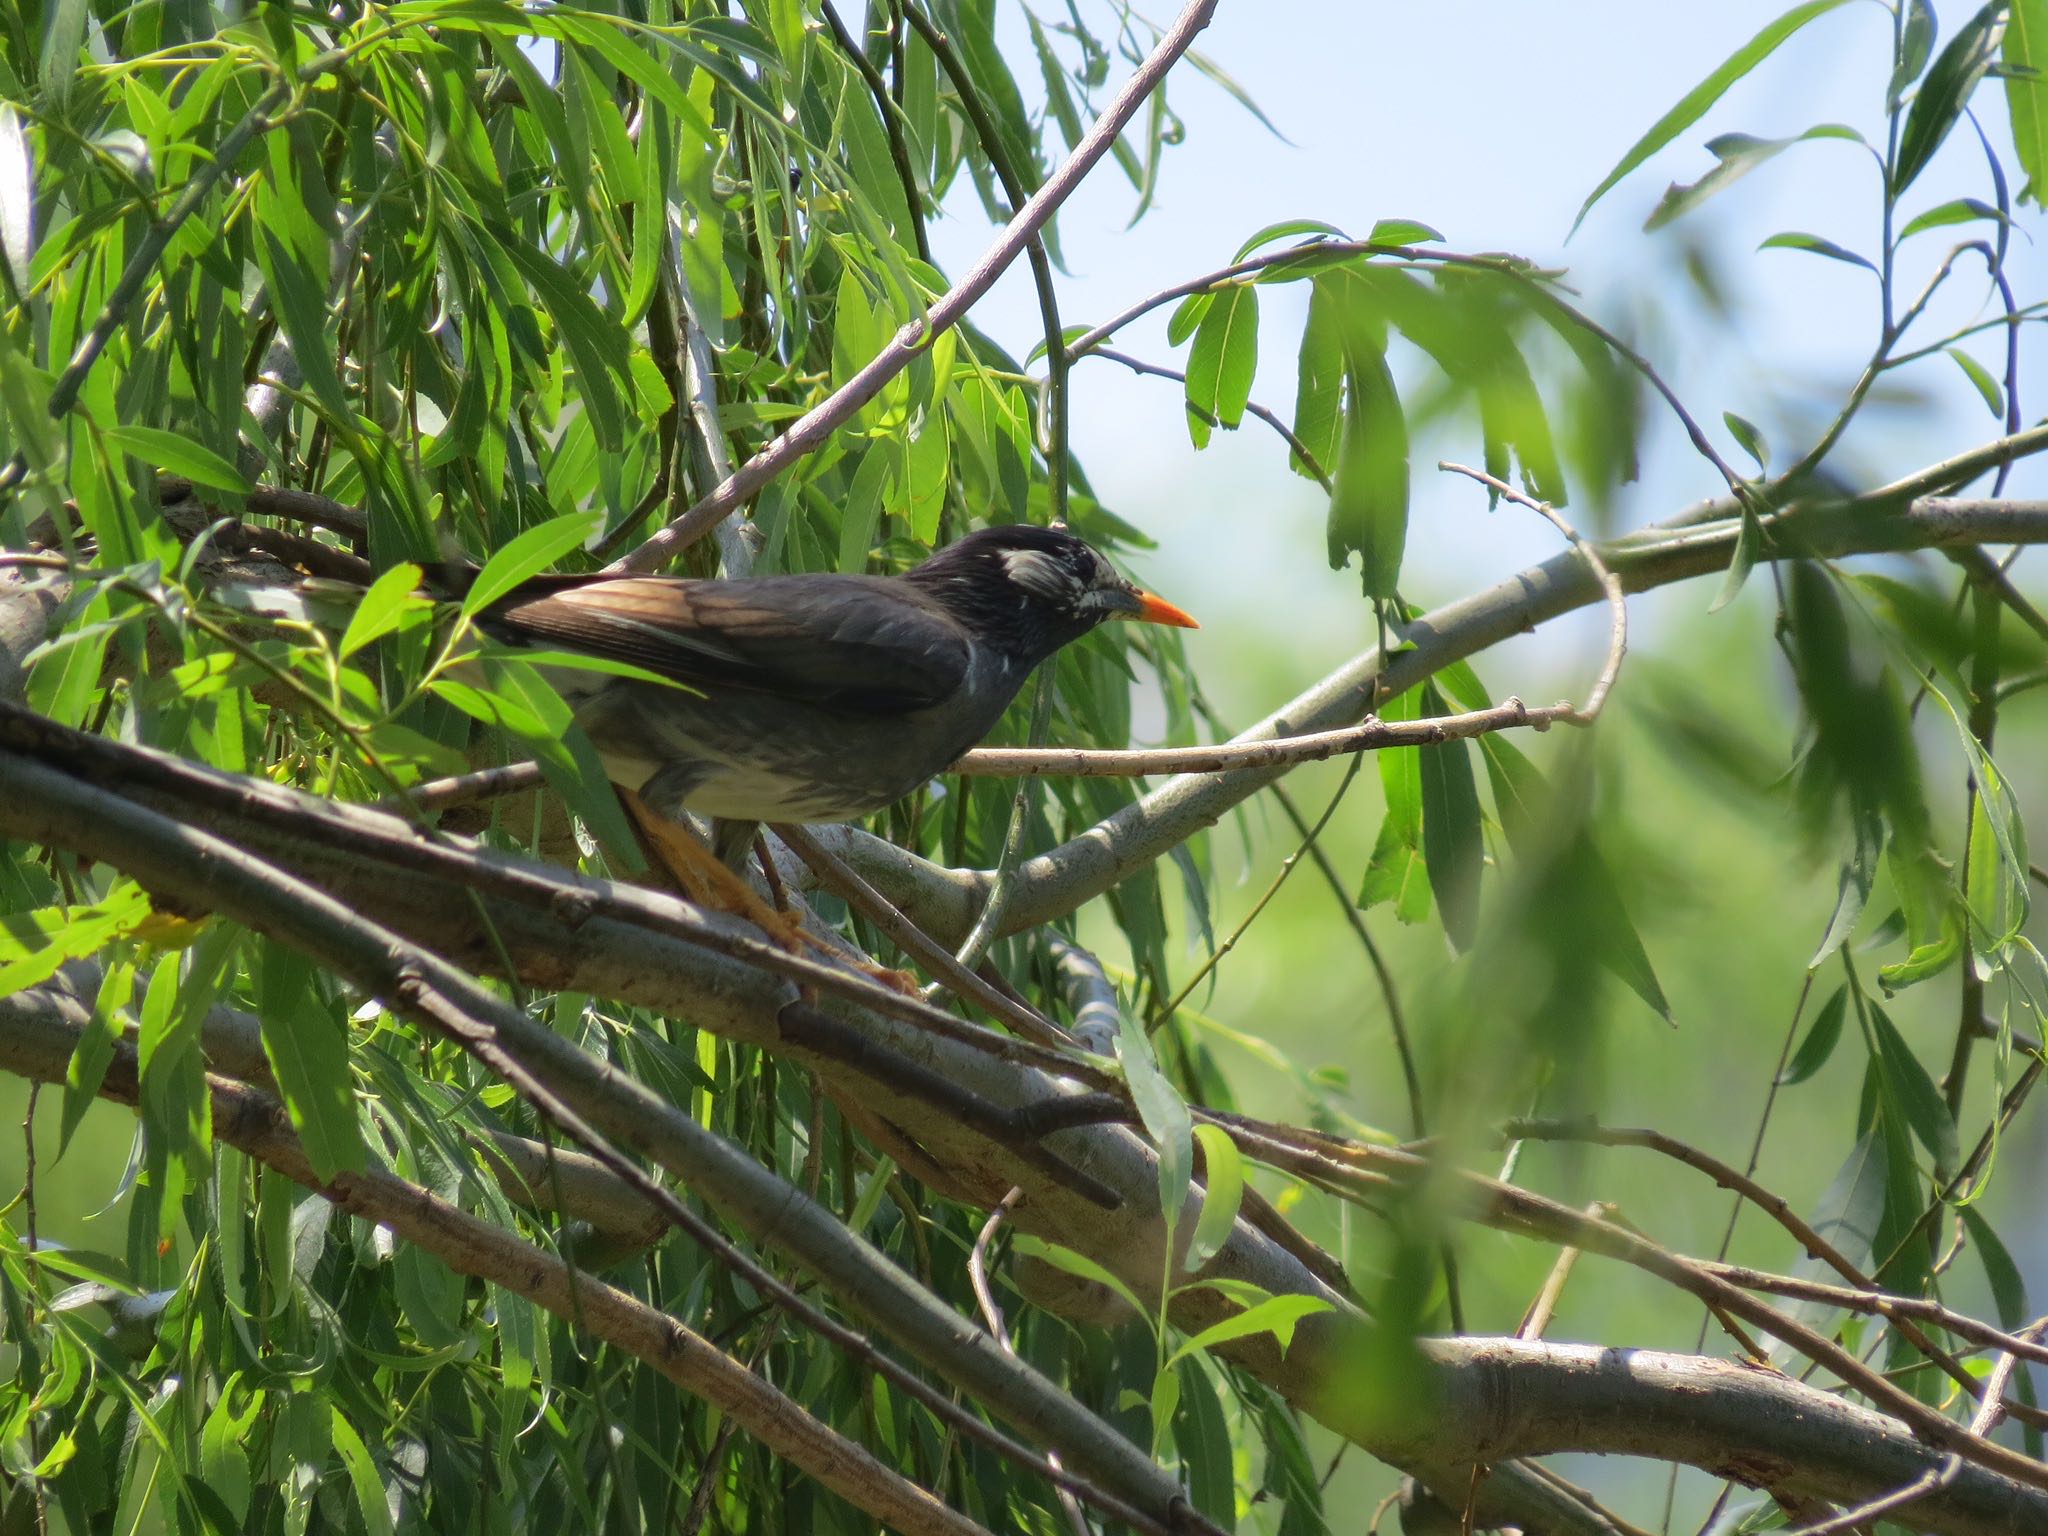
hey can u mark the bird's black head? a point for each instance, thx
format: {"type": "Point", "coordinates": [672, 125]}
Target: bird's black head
{"type": "Point", "coordinates": [1031, 590]}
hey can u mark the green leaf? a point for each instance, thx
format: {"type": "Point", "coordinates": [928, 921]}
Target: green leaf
{"type": "Point", "coordinates": [94, 1052]}
{"type": "Point", "coordinates": [1987, 387]}
{"type": "Point", "coordinates": [383, 607]}
{"type": "Point", "coordinates": [1852, 888]}
{"type": "Point", "coordinates": [1797, 240]}
{"type": "Point", "coordinates": [1961, 210]}
{"type": "Point", "coordinates": [1278, 1317]}
{"type": "Point", "coordinates": [1186, 316]}
{"type": "Point", "coordinates": [1907, 1084]}
{"type": "Point", "coordinates": [1748, 545]}
{"type": "Point", "coordinates": [1164, 1114]}
{"type": "Point", "coordinates": [1916, 46]}
{"type": "Point", "coordinates": [596, 342]}
{"type": "Point", "coordinates": [1819, 1044]}
{"type": "Point", "coordinates": [1223, 1193]}
{"type": "Point", "coordinates": [1319, 383]}
{"type": "Point", "coordinates": [1752, 441]}
{"type": "Point", "coordinates": [1453, 845]}
{"type": "Point", "coordinates": [1289, 229]}
{"type": "Point", "coordinates": [1369, 505]}
{"type": "Point", "coordinates": [1521, 797]}
{"type": "Point", "coordinates": [1939, 103]}
{"type": "Point", "coordinates": [862, 512]}
{"type": "Point", "coordinates": [566, 757]}
{"type": "Point", "coordinates": [529, 554]}
{"type": "Point", "coordinates": [1078, 1265]}
{"type": "Point", "coordinates": [1693, 106]}
{"type": "Point", "coordinates": [306, 1044]}
{"type": "Point", "coordinates": [179, 455]}
{"type": "Point", "coordinates": [2026, 91]}
{"type": "Point", "coordinates": [2008, 1286]}
{"type": "Point", "coordinates": [1222, 361]}
{"type": "Point", "coordinates": [1404, 232]}
{"type": "Point", "coordinates": [1396, 871]}
{"type": "Point", "coordinates": [1737, 155]}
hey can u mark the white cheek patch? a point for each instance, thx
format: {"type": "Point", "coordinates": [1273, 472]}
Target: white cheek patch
{"type": "Point", "coordinates": [1040, 573]}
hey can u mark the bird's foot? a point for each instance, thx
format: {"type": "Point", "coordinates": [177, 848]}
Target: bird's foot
{"type": "Point", "coordinates": [707, 882]}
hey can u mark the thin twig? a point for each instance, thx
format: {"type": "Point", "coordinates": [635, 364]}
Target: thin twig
{"type": "Point", "coordinates": [1937, 1478]}
{"type": "Point", "coordinates": [1610, 584]}
{"type": "Point", "coordinates": [992, 1318]}
{"type": "Point", "coordinates": [1295, 445]}
{"type": "Point", "coordinates": [987, 923]}
{"type": "Point", "coordinates": [1285, 751]}
{"type": "Point", "coordinates": [811, 430]}
{"type": "Point", "coordinates": [836, 874]}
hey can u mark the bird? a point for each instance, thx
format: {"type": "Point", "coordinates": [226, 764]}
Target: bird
{"type": "Point", "coordinates": [808, 698]}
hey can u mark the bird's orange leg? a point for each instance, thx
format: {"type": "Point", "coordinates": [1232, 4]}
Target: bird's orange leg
{"type": "Point", "coordinates": [706, 882]}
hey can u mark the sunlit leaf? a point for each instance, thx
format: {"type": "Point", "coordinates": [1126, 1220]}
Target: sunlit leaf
{"type": "Point", "coordinates": [1939, 103]}
{"type": "Point", "coordinates": [1694, 104]}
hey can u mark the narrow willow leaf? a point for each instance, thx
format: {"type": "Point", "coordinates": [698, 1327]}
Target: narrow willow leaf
{"type": "Point", "coordinates": [1222, 361]}
{"type": "Point", "coordinates": [1396, 872]}
{"type": "Point", "coordinates": [1737, 155]}
{"type": "Point", "coordinates": [531, 553]}
{"type": "Point", "coordinates": [1961, 210]}
{"type": "Point", "coordinates": [1079, 1265]}
{"type": "Point", "coordinates": [862, 512]}
{"type": "Point", "coordinates": [1946, 92]}
{"type": "Point", "coordinates": [1848, 1214]}
{"type": "Point", "coordinates": [1820, 1040]}
{"type": "Point", "coordinates": [2026, 91]}
{"type": "Point", "coordinates": [1187, 316]}
{"type": "Point", "coordinates": [179, 455]}
{"type": "Point", "coordinates": [1798, 240]}
{"type": "Point", "coordinates": [1164, 1114]}
{"type": "Point", "coordinates": [1277, 1317]}
{"type": "Point", "coordinates": [1748, 545]}
{"type": "Point", "coordinates": [1223, 1193]}
{"type": "Point", "coordinates": [1694, 104]}
{"type": "Point", "coordinates": [94, 1052]}
{"type": "Point", "coordinates": [306, 1044]}
{"type": "Point", "coordinates": [1906, 1083]}
{"type": "Point", "coordinates": [1318, 384]}
{"type": "Point", "coordinates": [1288, 229]}
{"type": "Point", "coordinates": [1916, 46]}
{"type": "Point", "coordinates": [382, 608]}
{"type": "Point", "coordinates": [1404, 232]}
{"type": "Point", "coordinates": [1852, 888]}
{"type": "Point", "coordinates": [2001, 1273]}
{"type": "Point", "coordinates": [1369, 505]}
{"type": "Point", "coordinates": [1453, 844]}
{"type": "Point", "coordinates": [1745, 433]}
{"type": "Point", "coordinates": [1988, 388]}
{"type": "Point", "coordinates": [1520, 798]}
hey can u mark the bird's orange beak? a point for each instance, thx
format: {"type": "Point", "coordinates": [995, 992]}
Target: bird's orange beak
{"type": "Point", "coordinates": [1157, 610]}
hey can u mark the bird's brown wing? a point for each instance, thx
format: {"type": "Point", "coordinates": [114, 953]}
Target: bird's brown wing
{"type": "Point", "coordinates": [852, 641]}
